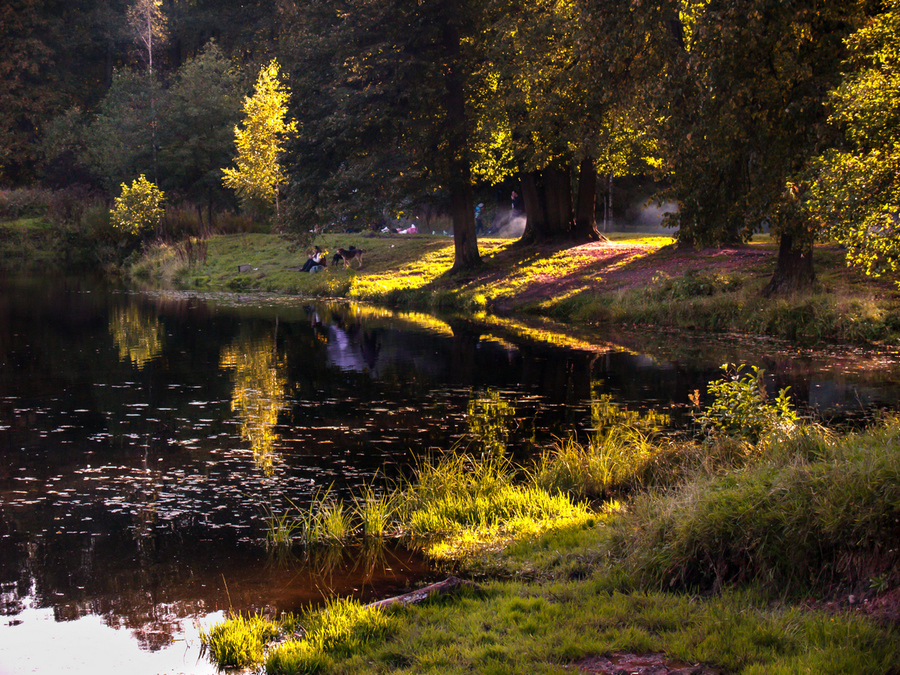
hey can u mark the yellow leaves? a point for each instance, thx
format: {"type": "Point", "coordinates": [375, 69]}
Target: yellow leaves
{"type": "Point", "coordinates": [259, 143]}
{"type": "Point", "coordinates": [138, 336]}
{"type": "Point", "coordinates": [260, 388]}
{"type": "Point", "coordinates": [139, 207]}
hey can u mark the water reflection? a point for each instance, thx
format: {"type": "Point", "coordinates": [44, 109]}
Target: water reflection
{"type": "Point", "coordinates": [137, 334]}
{"type": "Point", "coordinates": [142, 437]}
{"type": "Point", "coordinates": [259, 394]}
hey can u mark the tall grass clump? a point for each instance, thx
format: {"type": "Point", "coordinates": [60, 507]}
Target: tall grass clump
{"type": "Point", "coordinates": [239, 642]}
{"type": "Point", "coordinates": [821, 512]}
{"type": "Point", "coordinates": [375, 511]}
{"type": "Point", "coordinates": [339, 629]}
{"type": "Point", "coordinates": [459, 504]}
{"type": "Point", "coordinates": [619, 452]}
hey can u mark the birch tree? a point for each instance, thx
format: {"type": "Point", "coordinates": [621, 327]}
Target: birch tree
{"type": "Point", "coordinates": [148, 24]}
{"type": "Point", "coordinates": [260, 142]}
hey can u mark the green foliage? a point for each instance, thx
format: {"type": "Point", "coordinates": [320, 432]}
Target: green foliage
{"type": "Point", "coordinates": [240, 641]}
{"type": "Point", "coordinates": [739, 406]}
{"type": "Point", "coordinates": [260, 141]}
{"type": "Point", "coordinates": [855, 190]}
{"type": "Point", "coordinates": [24, 203]}
{"type": "Point", "coordinates": [120, 141]}
{"type": "Point", "coordinates": [733, 132]}
{"type": "Point", "coordinates": [139, 208]}
{"type": "Point", "coordinates": [694, 283]}
{"type": "Point", "coordinates": [813, 511]}
{"type": "Point", "coordinates": [197, 118]}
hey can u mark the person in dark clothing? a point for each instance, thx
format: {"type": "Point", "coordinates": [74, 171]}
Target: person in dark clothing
{"type": "Point", "coordinates": [316, 258]}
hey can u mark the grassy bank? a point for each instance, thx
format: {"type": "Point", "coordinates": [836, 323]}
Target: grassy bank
{"type": "Point", "coordinates": [632, 280]}
{"type": "Point", "coordinates": [719, 551]}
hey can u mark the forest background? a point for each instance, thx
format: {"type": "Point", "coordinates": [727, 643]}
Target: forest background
{"type": "Point", "coordinates": [750, 115]}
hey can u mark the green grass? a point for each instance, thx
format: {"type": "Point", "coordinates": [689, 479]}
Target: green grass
{"type": "Point", "coordinates": [708, 564]}
{"type": "Point", "coordinates": [240, 641]}
{"type": "Point", "coordinates": [513, 627]}
{"type": "Point", "coordinates": [412, 271]}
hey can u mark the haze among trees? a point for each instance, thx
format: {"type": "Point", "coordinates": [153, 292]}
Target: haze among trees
{"type": "Point", "coordinates": [752, 114]}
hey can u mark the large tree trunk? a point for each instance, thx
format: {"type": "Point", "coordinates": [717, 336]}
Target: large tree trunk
{"type": "Point", "coordinates": [462, 199]}
{"type": "Point", "coordinates": [585, 228]}
{"type": "Point", "coordinates": [558, 198]}
{"type": "Point", "coordinates": [794, 269]}
{"type": "Point", "coordinates": [548, 204]}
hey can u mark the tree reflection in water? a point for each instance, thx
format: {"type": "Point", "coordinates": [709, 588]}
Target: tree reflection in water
{"type": "Point", "coordinates": [260, 386]}
{"type": "Point", "coordinates": [137, 334]}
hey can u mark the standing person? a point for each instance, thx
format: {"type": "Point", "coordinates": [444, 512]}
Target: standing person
{"type": "Point", "coordinates": [516, 206]}
{"type": "Point", "coordinates": [317, 257]}
{"type": "Point", "coordinates": [479, 220]}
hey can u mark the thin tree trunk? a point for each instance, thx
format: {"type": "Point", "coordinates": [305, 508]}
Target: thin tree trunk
{"type": "Point", "coordinates": [609, 202]}
{"type": "Point", "coordinates": [585, 225]}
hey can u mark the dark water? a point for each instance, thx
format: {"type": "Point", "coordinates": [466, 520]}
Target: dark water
{"type": "Point", "coordinates": [144, 437]}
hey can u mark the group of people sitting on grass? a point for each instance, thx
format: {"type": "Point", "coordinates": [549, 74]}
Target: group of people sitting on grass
{"type": "Point", "coordinates": [317, 259]}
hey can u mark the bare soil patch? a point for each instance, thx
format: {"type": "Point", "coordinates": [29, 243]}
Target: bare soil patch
{"type": "Point", "coordinates": [624, 663]}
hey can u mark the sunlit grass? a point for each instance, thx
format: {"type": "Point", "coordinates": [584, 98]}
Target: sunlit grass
{"type": "Point", "coordinates": [374, 511]}
{"type": "Point", "coordinates": [240, 641]}
{"type": "Point", "coordinates": [459, 505]}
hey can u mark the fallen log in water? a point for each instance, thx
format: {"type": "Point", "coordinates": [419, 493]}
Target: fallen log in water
{"type": "Point", "coordinates": [421, 595]}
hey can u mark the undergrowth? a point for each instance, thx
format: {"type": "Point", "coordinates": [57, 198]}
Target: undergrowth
{"type": "Point", "coordinates": [703, 555]}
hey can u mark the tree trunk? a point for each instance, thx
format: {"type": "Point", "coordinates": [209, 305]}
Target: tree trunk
{"type": "Point", "coordinates": [535, 218]}
{"type": "Point", "coordinates": [585, 228]}
{"type": "Point", "coordinates": [462, 198]}
{"type": "Point", "coordinates": [558, 197]}
{"type": "Point", "coordinates": [548, 204]}
{"type": "Point", "coordinates": [462, 211]}
{"type": "Point", "coordinates": [794, 269]}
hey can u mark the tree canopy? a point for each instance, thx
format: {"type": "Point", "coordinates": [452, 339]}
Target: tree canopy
{"type": "Point", "coordinates": [855, 190]}
{"type": "Point", "coordinates": [259, 142]}
{"type": "Point", "coordinates": [724, 102]}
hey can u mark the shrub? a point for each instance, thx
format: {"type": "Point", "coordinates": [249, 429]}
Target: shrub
{"type": "Point", "coordinates": [139, 207]}
{"type": "Point", "coordinates": [740, 409]}
{"type": "Point", "coordinates": [24, 203]}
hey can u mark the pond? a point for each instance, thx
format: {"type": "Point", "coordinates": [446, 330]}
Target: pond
{"type": "Point", "coordinates": [144, 438]}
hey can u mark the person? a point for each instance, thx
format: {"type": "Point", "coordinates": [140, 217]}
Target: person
{"type": "Point", "coordinates": [317, 257]}
{"type": "Point", "coordinates": [479, 221]}
{"type": "Point", "coordinates": [516, 206]}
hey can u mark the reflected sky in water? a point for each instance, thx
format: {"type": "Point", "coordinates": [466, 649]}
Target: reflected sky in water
{"type": "Point", "coordinates": [144, 438]}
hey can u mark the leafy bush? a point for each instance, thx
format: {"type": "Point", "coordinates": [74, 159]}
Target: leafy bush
{"type": "Point", "coordinates": [694, 283]}
{"type": "Point", "coordinates": [740, 409]}
{"type": "Point", "coordinates": [139, 207]}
